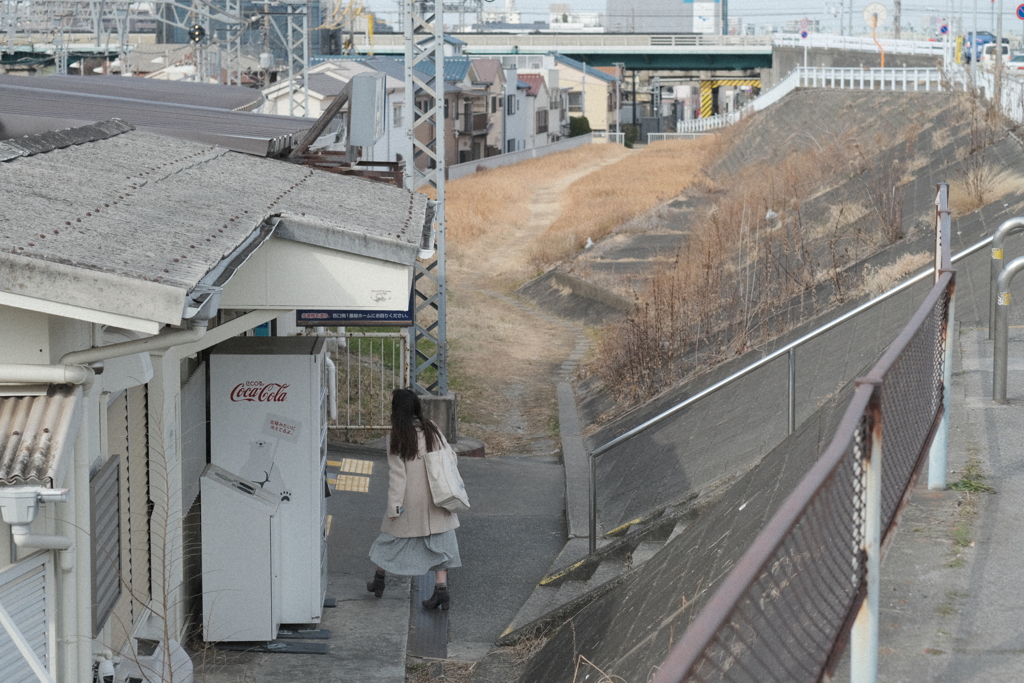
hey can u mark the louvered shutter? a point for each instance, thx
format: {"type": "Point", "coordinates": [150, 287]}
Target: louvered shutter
{"type": "Point", "coordinates": [106, 541]}
{"type": "Point", "coordinates": [24, 593]}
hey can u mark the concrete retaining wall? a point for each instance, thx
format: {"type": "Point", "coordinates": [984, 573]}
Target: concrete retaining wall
{"type": "Point", "coordinates": [461, 170]}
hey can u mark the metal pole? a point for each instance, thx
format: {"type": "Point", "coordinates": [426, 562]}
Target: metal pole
{"type": "Point", "coordinates": [792, 390]}
{"type": "Point", "coordinates": [938, 451]}
{"type": "Point", "coordinates": [974, 48]}
{"type": "Point", "coordinates": [1009, 227]}
{"type": "Point", "coordinates": [1002, 330]}
{"type": "Point", "coordinates": [937, 454]}
{"type": "Point", "coordinates": [592, 534]}
{"type": "Point", "coordinates": [998, 99]}
{"type": "Point", "coordinates": [864, 635]}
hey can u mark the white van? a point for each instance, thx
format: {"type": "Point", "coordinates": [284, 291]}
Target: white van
{"type": "Point", "coordinates": [988, 53]}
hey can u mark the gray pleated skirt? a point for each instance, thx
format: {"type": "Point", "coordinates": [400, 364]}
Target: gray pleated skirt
{"type": "Point", "coordinates": [417, 555]}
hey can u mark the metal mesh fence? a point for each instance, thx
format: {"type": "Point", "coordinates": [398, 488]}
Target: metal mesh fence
{"type": "Point", "coordinates": [784, 625]}
{"type": "Point", "coordinates": [780, 613]}
{"type": "Point", "coordinates": [911, 396]}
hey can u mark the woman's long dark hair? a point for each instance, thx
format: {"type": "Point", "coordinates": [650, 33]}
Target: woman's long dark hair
{"type": "Point", "coordinates": [406, 419]}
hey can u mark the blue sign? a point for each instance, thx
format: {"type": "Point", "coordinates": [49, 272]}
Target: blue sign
{"type": "Point", "coordinates": [1020, 11]}
{"type": "Point", "coordinates": [803, 34]}
{"type": "Point", "coordinates": [945, 29]}
{"type": "Point", "coordinates": [351, 318]}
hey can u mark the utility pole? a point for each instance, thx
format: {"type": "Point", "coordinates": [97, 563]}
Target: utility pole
{"type": "Point", "coordinates": [974, 47]}
{"type": "Point", "coordinates": [425, 167]}
{"type": "Point", "coordinates": [999, 65]}
{"type": "Point", "coordinates": [897, 6]}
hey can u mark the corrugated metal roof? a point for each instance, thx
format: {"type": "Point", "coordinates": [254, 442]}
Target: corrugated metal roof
{"type": "Point", "coordinates": [230, 97]}
{"type": "Point", "coordinates": [37, 434]}
{"type": "Point", "coordinates": [131, 223]}
{"type": "Point", "coordinates": [58, 139]}
{"type": "Point", "coordinates": [29, 111]}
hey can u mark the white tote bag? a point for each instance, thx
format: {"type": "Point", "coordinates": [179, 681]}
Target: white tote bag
{"type": "Point", "coordinates": [446, 486]}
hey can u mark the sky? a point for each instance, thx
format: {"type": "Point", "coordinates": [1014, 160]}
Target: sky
{"type": "Point", "coordinates": [777, 12]}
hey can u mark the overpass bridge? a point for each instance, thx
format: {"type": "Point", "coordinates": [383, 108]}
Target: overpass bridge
{"type": "Point", "coordinates": [637, 51]}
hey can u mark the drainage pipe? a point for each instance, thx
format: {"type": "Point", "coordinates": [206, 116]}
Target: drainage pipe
{"type": "Point", "coordinates": [1002, 328]}
{"type": "Point", "coordinates": [22, 373]}
{"type": "Point", "coordinates": [1012, 226]}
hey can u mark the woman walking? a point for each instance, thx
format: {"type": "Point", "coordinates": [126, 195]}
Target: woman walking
{"type": "Point", "coordinates": [416, 535]}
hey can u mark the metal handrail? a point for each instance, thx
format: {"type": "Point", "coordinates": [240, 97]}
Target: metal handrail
{"type": "Point", "coordinates": [787, 349]}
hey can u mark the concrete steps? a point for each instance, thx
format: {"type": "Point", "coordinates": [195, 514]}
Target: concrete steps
{"type": "Point", "coordinates": [576, 578]}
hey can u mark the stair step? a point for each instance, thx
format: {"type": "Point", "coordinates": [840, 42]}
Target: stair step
{"type": "Point", "coordinates": [646, 551]}
{"type": "Point", "coordinates": [540, 602]}
{"type": "Point", "coordinates": [680, 527]}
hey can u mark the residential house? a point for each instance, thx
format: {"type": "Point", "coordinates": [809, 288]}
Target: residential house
{"type": "Point", "coordinates": [545, 126]}
{"type": "Point", "coordinates": [111, 292]}
{"type": "Point", "coordinates": [591, 91]}
{"type": "Point", "coordinates": [488, 75]}
{"type": "Point", "coordinates": [517, 124]}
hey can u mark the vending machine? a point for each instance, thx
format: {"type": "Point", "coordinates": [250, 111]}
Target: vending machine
{"type": "Point", "coordinates": [268, 425]}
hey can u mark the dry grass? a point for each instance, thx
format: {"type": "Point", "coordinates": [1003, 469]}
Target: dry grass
{"type": "Point", "coordinates": [880, 280]}
{"type": "Point", "coordinates": [447, 671]}
{"type": "Point", "coordinates": [594, 206]}
{"type": "Point", "coordinates": [478, 204]}
{"type": "Point", "coordinates": [978, 185]}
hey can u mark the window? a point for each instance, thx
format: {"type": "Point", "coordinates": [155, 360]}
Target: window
{"type": "Point", "coordinates": [510, 108]}
{"type": "Point", "coordinates": [494, 104]}
{"type": "Point", "coordinates": [510, 145]}
{"type": "Point", "coordinates": [446, 107]}
{"type": "Point", "coordinates": [575, 101]}
{"type": "Point", "coordinates": [542, 121]}
{"type": "Point", "coordinates": [396, 115]}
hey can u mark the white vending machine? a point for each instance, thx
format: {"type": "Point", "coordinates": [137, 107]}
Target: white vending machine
{"type": "Point", "coordinates": [241, 573]}
{"type": "Point", "coordinates": [268, 425]}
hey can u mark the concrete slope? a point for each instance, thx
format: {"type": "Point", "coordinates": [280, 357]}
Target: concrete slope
{"type": "Point", "coordinates": [628, 631]}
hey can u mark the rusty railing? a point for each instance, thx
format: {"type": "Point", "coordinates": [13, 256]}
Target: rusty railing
{"type": "Point", "coordinates": [809, 581]}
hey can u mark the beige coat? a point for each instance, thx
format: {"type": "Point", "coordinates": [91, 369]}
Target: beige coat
{"type": "Point", "coordinates": [408, 488]}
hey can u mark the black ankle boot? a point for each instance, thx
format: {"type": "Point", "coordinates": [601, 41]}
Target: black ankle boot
{"type": "Point", "coordinates": [439, 598]}
{"type": "Point", "coordinates": [377, 585]}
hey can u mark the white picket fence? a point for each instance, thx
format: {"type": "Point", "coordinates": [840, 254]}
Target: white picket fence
{"type": "Point", "coordinates": [897, 78]}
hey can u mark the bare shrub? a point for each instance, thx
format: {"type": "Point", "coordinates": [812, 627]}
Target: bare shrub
{"type": "Point", "coordinates": [754, 262]}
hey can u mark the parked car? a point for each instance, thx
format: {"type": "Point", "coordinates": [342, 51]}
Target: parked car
{"type": "Point", "coordinates": [988, 53]}
{"type": "Point", "coordinates": [1016, 63]}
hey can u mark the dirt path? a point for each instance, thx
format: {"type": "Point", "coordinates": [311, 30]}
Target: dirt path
{"type": "Point", "coordinates": [506, 355]}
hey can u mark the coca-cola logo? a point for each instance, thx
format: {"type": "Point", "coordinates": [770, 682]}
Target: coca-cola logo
{"type": "Point", "coordinates": [260, 392]}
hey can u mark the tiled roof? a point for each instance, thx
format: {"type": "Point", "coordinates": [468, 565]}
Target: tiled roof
{"type": "Point", "coordinates": [37, 435]}
{"type": "Point", "coordinates": [487, 69]}
{"type": "Point", "coordinates": [535, 81]}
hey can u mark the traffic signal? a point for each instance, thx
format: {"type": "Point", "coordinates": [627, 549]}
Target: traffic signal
{"type": "Point", "coordinates": [196, 33]}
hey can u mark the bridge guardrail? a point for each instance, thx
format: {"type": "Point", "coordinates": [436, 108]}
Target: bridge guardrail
{"type": "Point", "coordinates": [895, 78]}
{"type": "Point", "coordinates": [890, 45]}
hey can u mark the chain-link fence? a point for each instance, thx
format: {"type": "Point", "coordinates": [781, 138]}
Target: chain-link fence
{"type": "Point", "coordinates": [785, 610]}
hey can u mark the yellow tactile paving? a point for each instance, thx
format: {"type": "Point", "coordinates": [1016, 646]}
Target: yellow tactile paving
{"type": "Point", "coordinates": [357, 466]}
{"type": "Point", "coordinates": [348, 482]}
{"type": "Point", "coordinates": [334, 463]}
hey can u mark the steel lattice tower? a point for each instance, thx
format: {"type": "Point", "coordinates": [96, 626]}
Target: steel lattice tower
{"type": "Point", "coordinates": [425, 167]}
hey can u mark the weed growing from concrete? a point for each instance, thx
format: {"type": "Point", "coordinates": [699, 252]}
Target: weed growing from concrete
{"type": "Point", "coordinates": [972, 479]}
